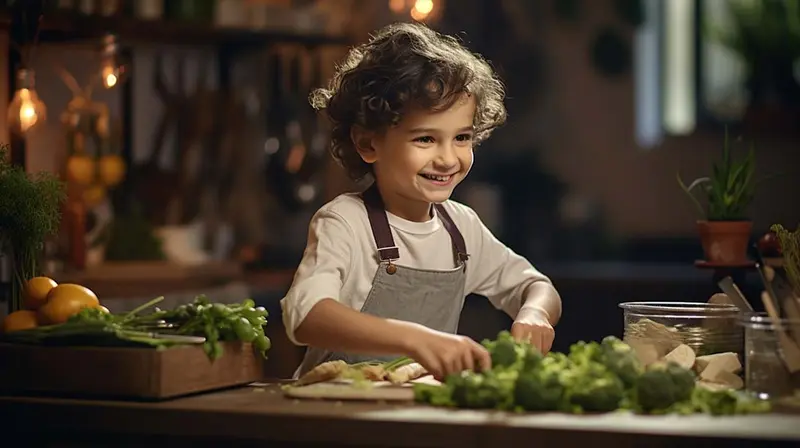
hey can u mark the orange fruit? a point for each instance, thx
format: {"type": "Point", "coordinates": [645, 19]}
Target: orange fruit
{"type": "Point", "coordinates": [104, 309]}
{"type": "Point", "coordinates": [66, 300]}
{"type": "Point", "coordinates": [80, 169]}
{"type": "Point", "coordinates": [20, 320]}
{"type": "Point", "coordinates": [111, 169]}
{"type": "Point", "coordinates": [35, 291]}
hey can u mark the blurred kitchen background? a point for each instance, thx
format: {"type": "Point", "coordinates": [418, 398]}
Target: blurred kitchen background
{"type": "Point", "coordinates": [195, 161]}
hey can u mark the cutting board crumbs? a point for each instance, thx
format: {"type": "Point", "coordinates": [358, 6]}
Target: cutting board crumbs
{"type": "Point", "coordinates": [347, 390]}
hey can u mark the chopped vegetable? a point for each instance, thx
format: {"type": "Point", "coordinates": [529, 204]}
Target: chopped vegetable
{"type": "Point", "coordinates": [592, 377]}
{"type": "Point", "coordinates": [407, 373]}
{"type": "Point", "coordinates": [326, 371]}
{"type": "Point", "coordinates": [683, 355]}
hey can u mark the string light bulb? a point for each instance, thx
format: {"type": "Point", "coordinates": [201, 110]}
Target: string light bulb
{"type": "Point", "coordinates": [26, 110]}
{"type": "Point", "coordinates": [113, 69]}
{"type": "Point", "coordinates": [418, 10]}
{"type": "Point", "coordinates": [421, 9]}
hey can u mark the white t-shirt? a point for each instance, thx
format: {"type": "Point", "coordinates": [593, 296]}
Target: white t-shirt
{"type": "Point", "coordinates": [340, 259]}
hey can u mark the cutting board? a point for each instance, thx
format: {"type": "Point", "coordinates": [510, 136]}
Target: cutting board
{"type": "Point", "coordinates": [345, 390]}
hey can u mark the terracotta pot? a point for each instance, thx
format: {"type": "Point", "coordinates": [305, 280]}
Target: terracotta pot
{"type": "Point", "coordinates": [725, 241]}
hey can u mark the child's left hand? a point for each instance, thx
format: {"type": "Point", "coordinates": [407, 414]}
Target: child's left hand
{"type": "Point", "coordinates": [533, 326]}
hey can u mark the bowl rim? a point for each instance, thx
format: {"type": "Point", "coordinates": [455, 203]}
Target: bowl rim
{"type": "Point", "coordinates": [681, 307]}
{"type": "Point", "coordinates": [762, 320]}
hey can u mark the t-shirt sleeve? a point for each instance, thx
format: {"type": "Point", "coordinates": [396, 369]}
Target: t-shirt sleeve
{"type": "Point", "coordinates": [322, 271]}
{"type": "Point", "coordinates": [497, 272]}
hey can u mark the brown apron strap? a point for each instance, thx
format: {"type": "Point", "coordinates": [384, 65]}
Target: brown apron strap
{"type": "Point", "coordinates": [379, 223]}
{"type": "Point", "coordinates": [382, 232]}
{"type": "Point", "coordinates": [456, 237]}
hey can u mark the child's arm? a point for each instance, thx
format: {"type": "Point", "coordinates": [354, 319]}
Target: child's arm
{"type": "Point", "coordinates": [336, 327]}
{"type": "Point", "coordinates": [510, 282]}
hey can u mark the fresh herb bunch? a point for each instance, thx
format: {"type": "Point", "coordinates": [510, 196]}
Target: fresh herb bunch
{"type": "Point", "coordinates": [601, 376]}
{"type": "Point", "coordinates": [30, 210]}
{"type": "Point", "coordinates": [790, 247]}
{"type": "Point", "coordinates": [729, 190]}
{"type": "Point", "coordinates": [216, 322]}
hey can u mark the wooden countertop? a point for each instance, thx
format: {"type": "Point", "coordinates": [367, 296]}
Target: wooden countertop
{"type": "Point", "coordinates": [245, 416]}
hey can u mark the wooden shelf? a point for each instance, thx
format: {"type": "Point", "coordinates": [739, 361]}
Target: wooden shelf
{"type": "Point", "coordinates": [74, 27]}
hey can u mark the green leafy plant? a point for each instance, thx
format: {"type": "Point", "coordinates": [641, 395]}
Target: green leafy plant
{"type": "Point", "coordinates": [790, 247]}
{"type": "Point", "coordinates": [760, 29]}
{"type": "Point", "coordinates": [729, 190]}
{"type": "Point", "coordinates": [30, 210]}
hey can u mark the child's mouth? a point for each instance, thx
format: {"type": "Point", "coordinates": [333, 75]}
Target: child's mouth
{"type": "Point", "coordinates": [438, 179]}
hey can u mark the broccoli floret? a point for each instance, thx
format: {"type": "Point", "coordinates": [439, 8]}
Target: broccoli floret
{"type": "Point", "coordinates": [539, 390]}
{"type": "Point", "coordinates": [726, 402]}
{"type": "Point", "coordinates": [621, 359]}
{"type": "Point", "coordinates": [504, 350]}
{"type": "Point", "coordinates": [662, 385]}
{"type": "Point", "coordinates": [486, 390]}
{"type": "Point", "coordinates": [433, 395]}
{"type": "Point", "coordinates": [583, 353]}
{"type": "Point", "coordinates": [531, 359]}
{"type": "Point", "coordinates": [593, 387]}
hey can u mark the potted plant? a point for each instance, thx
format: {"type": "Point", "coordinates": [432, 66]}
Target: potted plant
{"type": "Point", "coordinates": [724, 227]}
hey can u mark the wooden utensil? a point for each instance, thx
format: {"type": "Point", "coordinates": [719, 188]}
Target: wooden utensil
{"type": "Point", "coordinates": [735, 294]}
{"type": "Point", "coordinates": [790, 350]}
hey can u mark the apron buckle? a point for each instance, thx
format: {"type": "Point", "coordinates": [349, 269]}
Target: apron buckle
{"type": "Point", "coordinates": [391, 268]}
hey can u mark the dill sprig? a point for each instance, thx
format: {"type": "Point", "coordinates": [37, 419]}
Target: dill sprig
{"type": "Point", "coordinates": [790, 247]}
{"type": "Point", "coordinates": [30, 210]}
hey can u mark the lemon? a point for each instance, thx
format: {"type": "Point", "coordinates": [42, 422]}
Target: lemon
{"type": "Point", "coordinates": [20, 320]}
{"type": "Point", "coordinates": [66, 300]}
{"type": "Point", "coordinates": [35, 291]}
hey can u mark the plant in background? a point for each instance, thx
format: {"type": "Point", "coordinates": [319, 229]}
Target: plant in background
{"type": "Point", "coordinates": [790, 248]}
{"type": "Point", "coordinates": [724, 228]}
{"type": "Point", "coordinates": [729, 190]}
{"type": "Point", "coordinates": [766, 35]}
{"type": "Point", "coordinates": [30, 210]}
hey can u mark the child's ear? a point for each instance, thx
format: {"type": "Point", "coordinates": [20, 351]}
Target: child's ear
{"type": "Point", "coordinates": [362, 140]}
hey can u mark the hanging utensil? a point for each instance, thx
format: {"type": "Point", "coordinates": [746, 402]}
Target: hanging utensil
{"type": "Point", "coordinates": [289, 172]}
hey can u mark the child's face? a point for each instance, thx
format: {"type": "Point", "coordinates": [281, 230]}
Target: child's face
{"type": "Point", "coordinates": [423, 158]}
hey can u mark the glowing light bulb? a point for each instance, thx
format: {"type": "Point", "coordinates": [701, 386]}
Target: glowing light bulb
{"type": "Point", "coordinates": [26, 110]}
{"type": "Point", "coordinates": [424, 6]}
{"type": "Point", "coordinates": [110, 75]}
{"type": "Point", "coordinates": [113, 67]}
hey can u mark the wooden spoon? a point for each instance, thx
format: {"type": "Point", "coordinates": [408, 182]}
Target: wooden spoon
{"type": "Point", "coordinates": [791, 351]}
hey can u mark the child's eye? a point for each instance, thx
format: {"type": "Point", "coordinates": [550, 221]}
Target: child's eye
{"type": "Point", "coordinates": [425, 139]}
{"type": "Point", "coordinates": [464, 137]}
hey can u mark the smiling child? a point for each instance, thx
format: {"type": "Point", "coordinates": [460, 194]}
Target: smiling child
{"type": "Point", "coordinates": [385, 272]}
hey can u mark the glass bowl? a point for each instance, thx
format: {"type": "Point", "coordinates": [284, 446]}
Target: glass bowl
{"type": "Point", "coordinates": [662, 326]}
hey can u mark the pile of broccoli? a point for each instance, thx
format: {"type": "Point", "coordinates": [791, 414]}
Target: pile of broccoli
{"type": "Point", "coordinates": [594, 377]}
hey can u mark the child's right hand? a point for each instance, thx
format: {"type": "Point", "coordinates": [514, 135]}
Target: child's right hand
{"type": "Point", "coordinates": [442, 353]}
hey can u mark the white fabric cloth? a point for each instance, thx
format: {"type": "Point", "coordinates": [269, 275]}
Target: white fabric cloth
{"type": "Point", "coordinates": [340, 258]}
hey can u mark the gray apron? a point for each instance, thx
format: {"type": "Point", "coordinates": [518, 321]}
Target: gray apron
{"type": "Point", "coordinates": [426, 297]}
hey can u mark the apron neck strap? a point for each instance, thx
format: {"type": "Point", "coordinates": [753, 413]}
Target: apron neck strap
{"type": "Point", "coordinates": [382, 232]}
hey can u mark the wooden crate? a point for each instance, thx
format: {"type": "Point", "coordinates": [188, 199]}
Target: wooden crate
{"type": "Point", "coordinates": [137, 373]}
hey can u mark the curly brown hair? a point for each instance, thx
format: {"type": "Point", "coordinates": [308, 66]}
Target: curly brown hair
{"type": "Point", "coordinates": [404, 65]}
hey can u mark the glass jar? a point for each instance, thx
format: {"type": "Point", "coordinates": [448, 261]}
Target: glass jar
{"type": "Point", "coordinates": [661, 326]}
{"type": "Point", "coordinates": [766, 375]}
